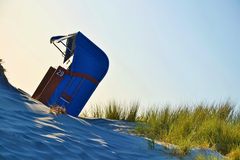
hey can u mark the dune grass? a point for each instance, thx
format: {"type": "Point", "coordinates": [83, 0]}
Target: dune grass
{"type": "Point", "coordinates": [214, 126]}
{"type": "Point", "coordinates": [114, 110]}
{"type": "Point", "coordinates": [2, 70]}
{"type": "Point", "coordinates": [205, 126]}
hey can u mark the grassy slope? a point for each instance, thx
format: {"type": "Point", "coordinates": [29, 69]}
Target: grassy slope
{"type": "Point", "coordinates": [214, 126]}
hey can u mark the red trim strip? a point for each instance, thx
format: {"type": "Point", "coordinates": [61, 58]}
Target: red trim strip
{"type": "Point", "coordinates": [81, 75]}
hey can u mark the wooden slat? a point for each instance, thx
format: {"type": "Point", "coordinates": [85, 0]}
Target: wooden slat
{"type": "Point", "coordinates": [43, 83]}
{"type": "Point", "coordinates": [51, 85]}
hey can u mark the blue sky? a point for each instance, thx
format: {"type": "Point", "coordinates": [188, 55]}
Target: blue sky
{"type": "Point", "coordinates": [160, 51]}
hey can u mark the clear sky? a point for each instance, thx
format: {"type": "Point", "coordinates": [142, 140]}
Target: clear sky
{"type": "Point", "coordinates": [160, 51]}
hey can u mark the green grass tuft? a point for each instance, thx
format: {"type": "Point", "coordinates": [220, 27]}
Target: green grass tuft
{"type": "Point", "coordinates": [205, 126]}
{"type": "Point", "coordinates": [2, 70]}
{"type": "Point", "coordinates": [131, 112]}
{"type": "Point", "coordinates": [215, 126]}
{"type": "Point", "coordinates": [114, 110]}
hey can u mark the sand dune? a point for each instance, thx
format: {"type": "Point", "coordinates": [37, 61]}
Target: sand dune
{"type": "Point", "coordinates": [28, 131]}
